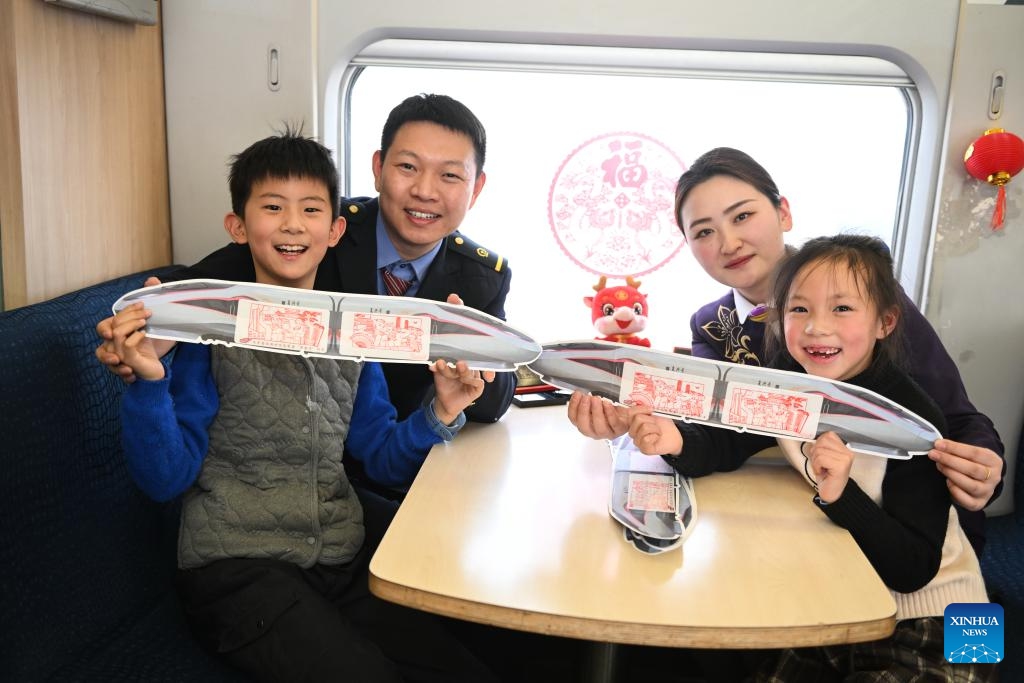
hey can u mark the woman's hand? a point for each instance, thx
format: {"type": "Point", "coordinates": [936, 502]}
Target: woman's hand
{"type": "Point", "coordinates": [972, 472]}
{"type": "Point", "coordinates": [597, 417]}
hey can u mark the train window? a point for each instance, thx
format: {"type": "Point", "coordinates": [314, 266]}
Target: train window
{"type": "Point", "coordinates": [585, 146]}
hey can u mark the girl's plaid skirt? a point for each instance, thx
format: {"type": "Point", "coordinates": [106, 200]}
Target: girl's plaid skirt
{"type": "Point", "coordinates": [913, 654]}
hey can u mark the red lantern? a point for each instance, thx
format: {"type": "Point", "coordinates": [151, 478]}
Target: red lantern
{"type": "Point", "coordinates": [996, 157]}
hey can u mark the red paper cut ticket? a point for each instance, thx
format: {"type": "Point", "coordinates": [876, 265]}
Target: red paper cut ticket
{"type": "Point", "coordinates": [669, 393]}
{"type": "Point", "coordinates": [401, 337]}
{"type": "Point", "coordinates": [275, 326]}
{"type": "Point", "coordinates": [655, 492]}
{"type": "Point", "coordinates": [775, 410]}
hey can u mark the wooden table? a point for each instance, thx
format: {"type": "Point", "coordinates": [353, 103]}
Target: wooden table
{"type": "Point", "coordinates": [508, 525]}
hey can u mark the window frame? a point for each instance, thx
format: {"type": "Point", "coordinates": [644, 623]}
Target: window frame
{"type": "Point", "coordinates": [912, 255]}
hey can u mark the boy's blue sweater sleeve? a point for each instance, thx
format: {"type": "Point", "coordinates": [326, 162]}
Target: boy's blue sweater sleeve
{"type": "Point", "coordinates": [164, 424]}
{"type": "Point", "coordinates": [391, 452]}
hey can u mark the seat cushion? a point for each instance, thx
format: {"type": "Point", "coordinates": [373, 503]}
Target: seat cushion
{"type": "Point", "coordinates": [157, 649]}
{"type": "Point", "coordinates": [85, 554]}
{"type": "Point", "coordinates": [1002, 564]}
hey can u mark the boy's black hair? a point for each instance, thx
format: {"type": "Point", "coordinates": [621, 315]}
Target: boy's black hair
{"type": "Point", "coordinates": [283, 156]}
{"type": "Point", "coordinates": [869, 262]}
{"type": "Point", "coordinates": [442, 110]}
{"type": "Point", "coordinates": [729, 162]}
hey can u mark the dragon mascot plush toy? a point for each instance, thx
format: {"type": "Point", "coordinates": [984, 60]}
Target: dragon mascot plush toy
{"type": "Point", "coordinates": [619, 313]}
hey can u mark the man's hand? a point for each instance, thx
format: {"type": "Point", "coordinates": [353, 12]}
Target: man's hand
{"type": "Point", "coordinates": [972, 472]}
{"type": "Point", "coordinates": [597, 417]}
{"type": "Point", "coordinates": [107, 354]}
{"type": "Point", "coordinates": [456, 387]}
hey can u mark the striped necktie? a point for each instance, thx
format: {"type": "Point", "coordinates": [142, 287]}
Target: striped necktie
{"type": "Point", "coordinates": [395, 286]}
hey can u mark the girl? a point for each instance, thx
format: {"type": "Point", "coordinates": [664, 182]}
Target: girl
{"type": "Point", "coordinates": [734, 218]}
{"type": "Point", "coordinates": [839, 305]}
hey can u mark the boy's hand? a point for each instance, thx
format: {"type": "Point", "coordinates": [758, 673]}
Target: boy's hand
{"type": "Point", "coordinates": [830, 461]}
{"type": "Point", "coordinates": [130, 343]}
{"type": "Point", "coordinates": [971, 472]}
{"type": "Point", "coordinates": [597, 417]}
{"type": "Point", "coordinates": [106, 353]}
{"type": "Point", "coordinates": [653, 434]}
{"type": "Point", "coordinates": [456, 387]}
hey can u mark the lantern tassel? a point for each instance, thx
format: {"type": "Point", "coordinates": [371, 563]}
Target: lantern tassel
{"type": "Point", "coordinates": [999, 215]}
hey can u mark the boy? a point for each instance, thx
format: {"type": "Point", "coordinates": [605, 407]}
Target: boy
{"type": "Point", "coordinates": [273, 550]}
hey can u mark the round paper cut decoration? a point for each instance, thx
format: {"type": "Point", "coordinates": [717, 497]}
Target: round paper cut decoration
{"type": "Point", "coordinates": [611, 205]}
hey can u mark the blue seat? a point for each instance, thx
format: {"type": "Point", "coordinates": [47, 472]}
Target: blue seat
{"type": "Point", "coordinates": [87, 561]}
{"type": "Point", "coordinates": [1002, 563]}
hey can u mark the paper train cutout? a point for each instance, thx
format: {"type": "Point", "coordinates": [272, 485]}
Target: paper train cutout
{"type": "Point", "coordinates": [411, 330]}
{"type": "Point", "coordinates": [740, 397]}
{"type": "Point", "coordinates": [328, 324]}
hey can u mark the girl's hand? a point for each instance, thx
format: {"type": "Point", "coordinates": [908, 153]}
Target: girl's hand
{"type": "Point", "coordinates": [653, 434]}
{"type": "Point", "coordinates": [830, 461]}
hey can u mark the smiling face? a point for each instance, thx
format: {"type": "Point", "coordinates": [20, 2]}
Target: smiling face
{"type": "Point", "coordinates": [735, 233]}
{"type": "Point", "coordinates": [427, 183]}
{"type": "Point", "coordinates": [288, 227]}
{"type": "Point", "coordinates": [831, 328]}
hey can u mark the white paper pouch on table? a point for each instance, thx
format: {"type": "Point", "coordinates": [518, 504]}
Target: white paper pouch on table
{"type": "Point", "coordinates": [652, 501]}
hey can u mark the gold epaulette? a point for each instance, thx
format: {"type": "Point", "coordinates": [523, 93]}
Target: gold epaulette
{"type": "Point", "coordinates": [467, 247]}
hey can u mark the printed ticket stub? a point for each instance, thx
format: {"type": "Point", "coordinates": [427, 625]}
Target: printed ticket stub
{"type": "Point", "coordinates": [775, 410]}
{"type": "Point", "coordinates": [399, 337]}
{"type": "Point", "coordinates": [654, 492]}
{"type": "Point", "coordinates": [276, 326]}
{"type": "Point", "coordinates": [669, 393]}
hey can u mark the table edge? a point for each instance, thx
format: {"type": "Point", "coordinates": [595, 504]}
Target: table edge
{"type": "Point", "coordinates": [631, 633]}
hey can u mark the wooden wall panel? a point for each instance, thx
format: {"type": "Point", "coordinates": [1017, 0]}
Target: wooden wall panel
{"type": "Point", "coordinates": [89, 197]}
{"type": "Point", "coordinates": [12, 242]}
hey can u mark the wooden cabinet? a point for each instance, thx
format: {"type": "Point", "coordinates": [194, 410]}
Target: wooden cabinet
{"type": "Point", "coordinates": [83, 150]}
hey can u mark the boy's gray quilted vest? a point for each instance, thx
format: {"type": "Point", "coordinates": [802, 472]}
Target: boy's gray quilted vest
{"type": "Point", "coordinates": [272, 484]}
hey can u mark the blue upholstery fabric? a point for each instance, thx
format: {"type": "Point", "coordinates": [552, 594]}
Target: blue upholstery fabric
{"type": "Point", "coordinates": [1002, 563]}
{"type": "Point", "coordinates": [86, 561]}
